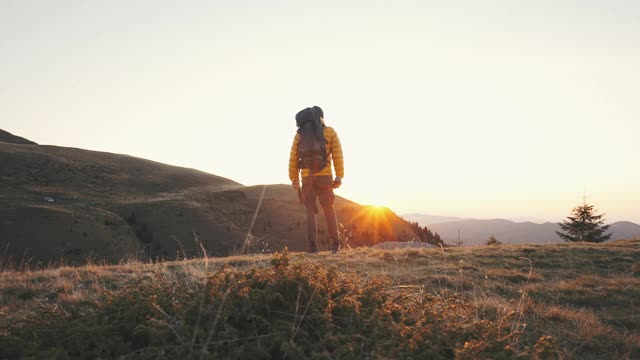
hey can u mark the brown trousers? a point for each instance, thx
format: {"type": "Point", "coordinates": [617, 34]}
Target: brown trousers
{"type": "Point", "coordinates": [321, 188]}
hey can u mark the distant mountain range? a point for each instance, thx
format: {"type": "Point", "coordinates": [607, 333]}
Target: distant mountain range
{"type": "Point", "coordinates": [71, 204]}
{"type": "Point", "coordinates": [477, 232]}
{"type": "Point", "coordinates": [426, 220]}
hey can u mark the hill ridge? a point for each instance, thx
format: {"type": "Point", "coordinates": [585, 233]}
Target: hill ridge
{"type": "Point", "coordinates": [8, 137]}
{"type": "Point", "coordinates": [107, 205]}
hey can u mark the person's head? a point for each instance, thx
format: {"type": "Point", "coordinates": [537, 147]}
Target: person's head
{"type": "Point", "coordinates": [307, 115]}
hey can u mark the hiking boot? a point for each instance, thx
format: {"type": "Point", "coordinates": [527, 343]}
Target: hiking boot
{"type": "Point", "coordinates": [334, 247]}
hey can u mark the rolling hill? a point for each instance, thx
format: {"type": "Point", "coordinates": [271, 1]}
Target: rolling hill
{"type": "Point", "coordinates": [8, 137]}
{"type": "Point", "coordinates": [477, 232]}
{"type": "Point", "coordinates": [67, 204]}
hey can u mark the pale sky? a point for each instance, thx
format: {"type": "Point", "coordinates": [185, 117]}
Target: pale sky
{"type": "Point", "coordinates": [464, 108]}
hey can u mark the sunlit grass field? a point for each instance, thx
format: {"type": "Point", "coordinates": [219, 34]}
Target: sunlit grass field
{"type": "Point", "coordinates": [527, 301]}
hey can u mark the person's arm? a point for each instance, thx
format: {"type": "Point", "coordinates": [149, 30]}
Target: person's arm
{"type": "Point", "coordinates": [336, 155]}
{"type": "Point", "coordinates": [293, 163]}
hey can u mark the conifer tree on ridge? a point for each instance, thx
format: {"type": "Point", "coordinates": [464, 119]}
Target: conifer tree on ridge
{"type": "Point", "coordinates": [584, 225]}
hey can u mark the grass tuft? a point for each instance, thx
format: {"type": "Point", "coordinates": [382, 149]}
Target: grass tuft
{"type": "Point", "coordinates": [538, 302]}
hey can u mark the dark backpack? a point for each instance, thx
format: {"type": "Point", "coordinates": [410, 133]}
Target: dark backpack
{"type": "Point", "coordinates": [312, 151]}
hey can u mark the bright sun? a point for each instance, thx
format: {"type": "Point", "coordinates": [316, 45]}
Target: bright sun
{"type": "Point", "coordinates": [376, 208]}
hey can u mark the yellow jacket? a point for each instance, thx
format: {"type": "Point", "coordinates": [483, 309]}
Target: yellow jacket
{"type": "Point", "coordinates": [334, 154]}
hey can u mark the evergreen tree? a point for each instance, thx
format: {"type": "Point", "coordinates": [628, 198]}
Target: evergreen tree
{"type": "Point", "coordinates": [423, 234]}
{"type": "Point", "coordinates": [584, 225]}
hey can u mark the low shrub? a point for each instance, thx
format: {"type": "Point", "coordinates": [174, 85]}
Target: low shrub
{"type": "Point", "coordinates": [292, 311]}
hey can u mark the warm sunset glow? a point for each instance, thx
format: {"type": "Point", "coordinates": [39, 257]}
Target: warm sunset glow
{"type": "Point", "coordinates": [376, 208]}
{"type": "Point", "coordinates": [378, 219]}
{"type": "Point", "coordinates": [472, 108]}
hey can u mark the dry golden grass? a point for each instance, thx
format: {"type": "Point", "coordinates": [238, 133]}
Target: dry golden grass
{"type": "Point", "coordinates": [551, 301]}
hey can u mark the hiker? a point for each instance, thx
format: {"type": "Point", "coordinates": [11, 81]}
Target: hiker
{"type": "Point", "coordinates": [314, 148]}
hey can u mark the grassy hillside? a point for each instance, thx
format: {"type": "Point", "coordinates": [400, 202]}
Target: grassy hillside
{"type": "Point", "coordinates": [517, 301]}
{"type": "Point", "coordinates": [64, 205]}
{"type": "Point", "coordinates": [8, 137]}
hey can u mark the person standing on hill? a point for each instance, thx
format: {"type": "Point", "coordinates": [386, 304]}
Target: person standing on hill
{"type": "Point", "coordinates": [315, 147]}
